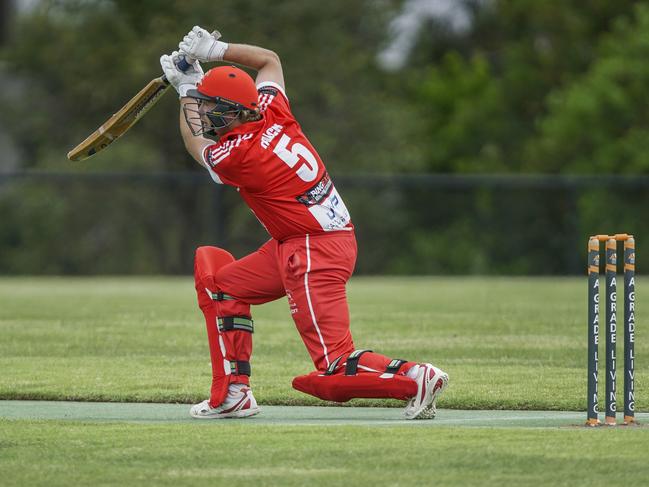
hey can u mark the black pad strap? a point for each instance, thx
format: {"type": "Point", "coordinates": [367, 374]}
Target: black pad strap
{"type": "Point", "coordinates": [352, 361]}
{"type": "Point", "coordinates": [240, 367]}
{"type": "Point", "coordinates": [332, 367]}
{"type": "Point", "coordinates": [394, 366]}
{"type": "Point", "coordinates": [243, 323]}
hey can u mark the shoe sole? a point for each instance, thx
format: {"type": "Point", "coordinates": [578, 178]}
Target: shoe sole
{"type": "Point", "coordinates": [429, 406]}
{"type": "Point", "coordinates": [243, 413]}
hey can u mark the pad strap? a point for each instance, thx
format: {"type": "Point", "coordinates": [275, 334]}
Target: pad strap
{"type": "Point", "coordinates": [228, 323]}
{"type": "Point", "coordinates": [219, 296]}
{"type": "Point", "coordinates": [352, 361]}
{"type": "Point", "coordinates": [240, 367]}
{"type": "Point", "coordinates": [332, 368]}
{"type": "Point", "coordinates": [394, 366]}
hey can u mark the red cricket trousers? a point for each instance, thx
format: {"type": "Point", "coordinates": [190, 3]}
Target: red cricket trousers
{"type": "Point", "coordinates": [312, 271]}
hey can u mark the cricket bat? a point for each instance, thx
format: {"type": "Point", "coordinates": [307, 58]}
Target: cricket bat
{"type": "Point", "coordinates": [122, 121]}
{"type": "Point", "coordinates": [126, 117]}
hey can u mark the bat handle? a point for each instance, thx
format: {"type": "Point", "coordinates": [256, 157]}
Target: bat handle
{"type": "Point", "coordinates": [184, 62]}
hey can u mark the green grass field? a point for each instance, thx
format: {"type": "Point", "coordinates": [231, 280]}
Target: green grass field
{"type": "Point", "coordinates": [506, 343]}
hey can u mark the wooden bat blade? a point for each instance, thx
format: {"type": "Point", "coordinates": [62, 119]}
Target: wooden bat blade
{"type": "Point", "coordinates": [122, 121]}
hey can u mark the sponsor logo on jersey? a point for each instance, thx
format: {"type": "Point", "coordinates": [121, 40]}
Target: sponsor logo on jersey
{"type": "Point", "coordinates": [268, 90]}
{"type": "Point", "coordinates": [317, 193]}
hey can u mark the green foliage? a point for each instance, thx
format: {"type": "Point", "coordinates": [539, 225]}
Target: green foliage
{"type": "Point", "coordinates": [465, 115]}
{"type": "Point", "coordinates": [551, 87]}
{"type": "Point", "coordinates": [82, 60]}
{"type": "Point", "coordinates": [511, 96]}
{"type": "Point", "coordinates": [599, 122]}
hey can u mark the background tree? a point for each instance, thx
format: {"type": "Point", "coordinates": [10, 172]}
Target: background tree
{"type": "Point", "coordinates": [506, 87]}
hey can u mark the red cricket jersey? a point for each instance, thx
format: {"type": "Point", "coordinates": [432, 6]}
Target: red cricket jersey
{"type": "Point", "coordinates": [278, 172]}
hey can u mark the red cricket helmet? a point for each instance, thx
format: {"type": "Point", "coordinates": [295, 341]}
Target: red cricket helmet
{"type": "Point", "coordinates": [227, 83]}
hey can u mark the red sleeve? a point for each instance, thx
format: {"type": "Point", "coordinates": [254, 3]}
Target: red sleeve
{"type": "Point", "coordinates": [273, 99]}
{"type": "Point", "coordinates": [225, 159]}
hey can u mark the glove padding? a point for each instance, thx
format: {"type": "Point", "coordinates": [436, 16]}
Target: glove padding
{"type": "Point", "coordinates": [182, 81]}
{"type": "Point", "coordinates": [200, 44]}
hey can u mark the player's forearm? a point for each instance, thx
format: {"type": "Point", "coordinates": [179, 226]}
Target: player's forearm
{"type": "Point", "coordinates": [251, 56]}
{"type": "Point", "coordinates": [184, 129]}
{"type": "Point", "coordinates": [193, 143]}
{"type": "Point", "coordinates": [200, 44]}
{"type": "Point", "coordinates": [265, 61]}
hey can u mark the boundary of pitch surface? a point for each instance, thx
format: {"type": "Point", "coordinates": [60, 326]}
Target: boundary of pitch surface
{"type": "Point", "coordinates": [112, 412]}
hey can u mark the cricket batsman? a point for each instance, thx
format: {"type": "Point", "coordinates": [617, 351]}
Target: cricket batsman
{"type": "Point", "coordinates": [244, 133]}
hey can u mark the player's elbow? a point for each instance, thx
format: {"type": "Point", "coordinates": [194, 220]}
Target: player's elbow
{"type": "Point", "coordinates": [271, 57]}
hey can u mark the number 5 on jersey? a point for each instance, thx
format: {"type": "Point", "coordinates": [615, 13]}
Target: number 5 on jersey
{"type": "Point", "coordinates": [308, 170]}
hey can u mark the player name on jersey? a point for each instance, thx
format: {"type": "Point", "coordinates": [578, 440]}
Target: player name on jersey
{"type": "Point", "coordinates": [270, 134]}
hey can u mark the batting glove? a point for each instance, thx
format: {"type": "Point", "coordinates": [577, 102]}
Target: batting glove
{"type": "Point", "coordinates": [182, 81]}
{"type": "Point", "coordinates": [200, 44]}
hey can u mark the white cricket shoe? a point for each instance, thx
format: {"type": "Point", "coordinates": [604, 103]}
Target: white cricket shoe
{"type": "Point", "coordinates": [239, 403]}
{"type": "Point", "coordinates": [431, 382]}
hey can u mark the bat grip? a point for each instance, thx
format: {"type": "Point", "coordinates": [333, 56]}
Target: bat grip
{"type": "Point", "coordinates": [184, 62]}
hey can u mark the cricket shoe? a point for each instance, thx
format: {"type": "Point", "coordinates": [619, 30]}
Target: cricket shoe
{"type": "Point", "coordinates": [431, 382]}
{"type": "Point", "coordinates": [240, 403]}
